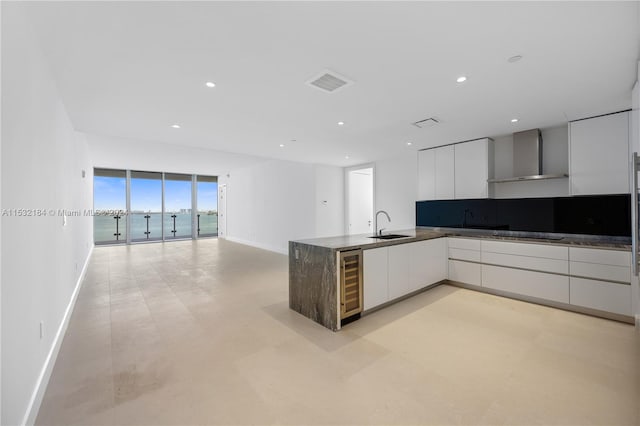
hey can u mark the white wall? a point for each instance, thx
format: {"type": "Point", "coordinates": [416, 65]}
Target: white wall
{"type": "Point", "coordinates": [273, 202]}
{"type": "Point", "coordinates": [396, 189]}
{"type": "Point", "coordinates": [555, 159]}
{"type": "Point", "coordinates": [329, 201]}
{"type": "Point", "coordinates": [42, 260]}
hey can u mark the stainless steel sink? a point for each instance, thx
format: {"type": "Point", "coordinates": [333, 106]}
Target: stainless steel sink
{"type": "Point", "coordinates": [389, 236]}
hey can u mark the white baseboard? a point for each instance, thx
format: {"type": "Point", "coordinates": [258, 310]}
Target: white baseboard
{"type": "Point", "coordinates": [258, 245]}
{"type": "Point", "coordinates": [45, 373]}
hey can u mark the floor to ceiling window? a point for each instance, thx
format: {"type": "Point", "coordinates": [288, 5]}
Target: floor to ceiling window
{"type": "Point", "coordinates": [110, 206]}
{"type": "Point", "coordinates": [146, 206]}
{"type": "Point", "coordinates": [207, 213]}
{"type": "Point", "coordinates": [140, 206]}
{"type": "Point", "coordinates": [178, 218]}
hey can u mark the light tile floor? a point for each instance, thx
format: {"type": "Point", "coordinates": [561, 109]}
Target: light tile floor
{"type": "Point", "coordinates": [200, 333]}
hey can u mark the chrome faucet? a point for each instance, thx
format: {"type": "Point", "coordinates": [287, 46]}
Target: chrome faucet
{"type": "Point", "coordinates": [375, 223]}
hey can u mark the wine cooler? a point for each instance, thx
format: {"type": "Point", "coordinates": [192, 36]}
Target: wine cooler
{"type": "Point", "coordinates": [350, 283]}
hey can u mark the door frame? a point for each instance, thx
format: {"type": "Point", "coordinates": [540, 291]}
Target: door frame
{"type": "Point", "coordinates": [223, 191]}
{"type": "Point", "coordinates": [347, 170]}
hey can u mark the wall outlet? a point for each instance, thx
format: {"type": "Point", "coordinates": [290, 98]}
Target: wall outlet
{"type": "Point", "coordinates": [41, 329]}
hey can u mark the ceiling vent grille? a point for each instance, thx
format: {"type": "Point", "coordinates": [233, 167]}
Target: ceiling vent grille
{"type": "Point", "coordinates": [427, 122]}
{"type": "Point", "coordinates": [329, 81]}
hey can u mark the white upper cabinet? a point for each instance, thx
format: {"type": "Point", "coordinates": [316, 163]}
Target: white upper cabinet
{"type": "Point", "coordinates": [444, 172]}
{"type": "Point", "coordinates": [435, 173]}
{"type": "Point", "coordinates": [472, 169]}
{"type": "Point", "coordinates": [455, 171]}
{"type": "Point", "coordinates": [427, 174]}
{"type": "Point", "coordinates": [599, 155]}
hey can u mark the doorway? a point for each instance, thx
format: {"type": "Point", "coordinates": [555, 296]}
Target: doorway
{"type": "Point", "coordinates": [222, 211]}
{"type": "Point", "coordinates": [207, 206]}
{"type": "Point", "coordinates": [359, 192]}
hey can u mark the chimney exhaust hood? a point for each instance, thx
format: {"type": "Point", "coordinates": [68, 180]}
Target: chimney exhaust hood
{"type": "Point", "coordinates": [527, 158]}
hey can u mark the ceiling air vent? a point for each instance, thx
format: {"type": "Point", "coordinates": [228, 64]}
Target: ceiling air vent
{"type": "Point", "coordinates": [427, 122]}
{"type": "Point", "coordinates": [329, 81]}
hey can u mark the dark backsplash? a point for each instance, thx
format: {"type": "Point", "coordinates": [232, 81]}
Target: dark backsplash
{"type": "Point", "coordinates": [591, 215]}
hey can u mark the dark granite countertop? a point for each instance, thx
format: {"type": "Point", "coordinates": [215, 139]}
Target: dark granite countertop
{"type": "Point", "coordinates": [350, 242]}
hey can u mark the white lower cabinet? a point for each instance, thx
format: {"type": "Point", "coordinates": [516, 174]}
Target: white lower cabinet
{"type": "Point", "coordinates": [428, 263]}
{"type": "Point", "coordinates": [601, 295]}
{"type": "Point", "coordinates": [536, 257]}
{"type": "Point", "coordinates": [586, 277]}
{"type": "Point", "coordinates": [599, 271]}
{"type": "Point", "coordinates": [608, 265]}
{"type": "Point", "coordinates": [375, 270]}
{"type": "Point", "coordinates": [543, 251]}
{"type": "Point", "coordinates": [399, 260]}
{"type": "Point", "coordinates": [528, 283]}
{"type": "Point", "coordinates": [395, 271]}
{"type": "Point", "coordinates": [541, 264]}
{"type": "Point", "coordinates": [601, 279]}
{"type": "Point", "coordinates": [464, 272]}
{"type": "Point", "coordinates": [464, 260]}
{"type": "Point", "coordinates": [529, 269]}
{"type": "Point", "coordinates": [464, 243]}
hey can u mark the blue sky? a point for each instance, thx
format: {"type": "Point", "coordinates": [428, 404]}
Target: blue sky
{"type": "Point", "coordinates": [146, 194]}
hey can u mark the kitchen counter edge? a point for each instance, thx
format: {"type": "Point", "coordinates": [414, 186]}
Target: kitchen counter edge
{"type": "Point", "coordinates": [363, 241]}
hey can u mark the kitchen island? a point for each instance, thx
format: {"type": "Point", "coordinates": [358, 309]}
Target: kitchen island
{"type": "Point", "coordinates": [418, 262]}
{"type": "Point", "coordinates": [314, 268]}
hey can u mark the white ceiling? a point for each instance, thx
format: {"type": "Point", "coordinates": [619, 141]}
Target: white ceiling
{"type": "Point", "coordinates": [132, 69]}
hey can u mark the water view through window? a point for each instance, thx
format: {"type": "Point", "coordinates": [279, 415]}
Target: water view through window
{"type": "Point", "coordinates": [207, 217]}
{"type": "Point", "coordinates": [110, 205]}
{"type": "Point", "coordinates": [146, 206]}
{"type": "Point", "coordinates": [161, 206]}
{"type": "Point", "coordinates": [177, 206]}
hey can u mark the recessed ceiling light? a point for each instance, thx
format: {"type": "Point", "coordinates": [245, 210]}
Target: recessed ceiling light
{"type": "Point", "coordinates": [340, 123]}
{"type": "Point", "coordinates": [515, 58]}
{"type": "Point", "coordinates": [514, 120]}
{"type": "Point", "coordinates": [281, 145]}
{"type": "Point", "coordinates": [409, 143]}
{"type": "Point", "coordinates": [461, 79]}
{"type": "Point", "coordinates": [346, 157]}
{"type": "Point", "coordinates": [175, 126]}
{"type": "Point", "coordinates": [210, 84]}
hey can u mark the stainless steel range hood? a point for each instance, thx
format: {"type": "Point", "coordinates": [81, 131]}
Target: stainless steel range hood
{"type": "Point", "coordinates": [527, 158]}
